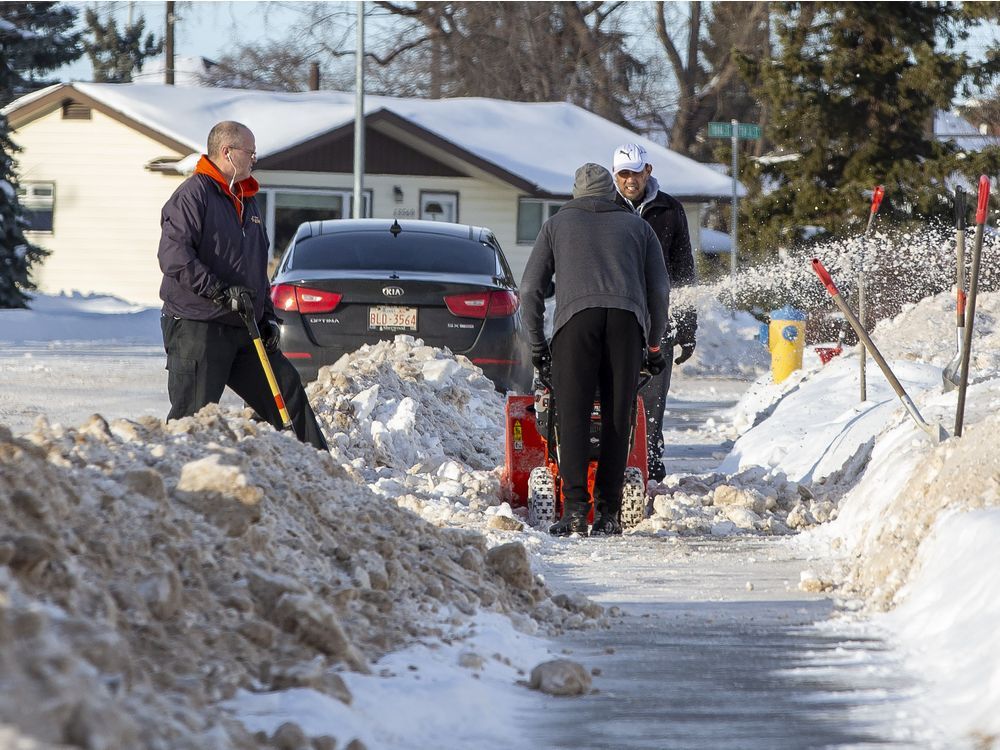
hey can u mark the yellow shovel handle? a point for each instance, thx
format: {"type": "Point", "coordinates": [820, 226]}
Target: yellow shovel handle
{"type": "Point", "coordinates": [271, 381]}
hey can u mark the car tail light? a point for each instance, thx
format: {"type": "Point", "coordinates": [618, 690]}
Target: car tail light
{"type": "Point", "coordinates": [303, 300]}
{"type": "Point", "coordinates": [483, 304]}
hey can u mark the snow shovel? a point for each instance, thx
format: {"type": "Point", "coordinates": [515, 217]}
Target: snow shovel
{"type": "Point", "coordinates": [970, 312]}
{"type": "Point", "coordinates": [877, 194]}
{"type": "Point", "coordinates": [935, 431]}
{"type": "Point", "coordinates": [951, 375]}
{"type": "Point", "coordinates": [265, 363]}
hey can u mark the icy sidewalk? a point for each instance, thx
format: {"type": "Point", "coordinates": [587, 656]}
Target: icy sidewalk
{"type": "Point", "coordinates": [716, 643]}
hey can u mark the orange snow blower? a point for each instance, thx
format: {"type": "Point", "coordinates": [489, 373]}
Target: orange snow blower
{"type": "Point", "coordinates": [531, 468]}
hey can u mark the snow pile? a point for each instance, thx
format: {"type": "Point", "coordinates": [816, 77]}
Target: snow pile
{"type": "Point", "coordinates": [948, 621]}
{"type": "Point", "coordinates": [753, 501]}
{"type": "Point", "coordinates": [151, 571]}
{"type": "Point", "coordinates": [399, 403]}
{"type": "Point", "coordinates": [420, 426]}
{"type": "Point", "coordinates": [958, 476]}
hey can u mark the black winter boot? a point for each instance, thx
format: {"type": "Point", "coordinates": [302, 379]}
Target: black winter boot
{"type": "Point", "coordinates": [570, 523]}
{"type": "Point", "coordinates": [606, 524]}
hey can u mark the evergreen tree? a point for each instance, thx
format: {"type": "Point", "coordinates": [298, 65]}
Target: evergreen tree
{"type": "Point", "coordinates": [49, 43]}
{"type": "Point", "coordinates": [115, 54]}
{"type": "Point", "coordinates": [16, 254]}
{"type": "Point", "coordinates": [851, 96]}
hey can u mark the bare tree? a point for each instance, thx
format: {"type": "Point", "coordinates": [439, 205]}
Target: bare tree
{"type": "Point", "coordinates": [544, 51]}
{"type": "Point", "coordinates": [706, 61]}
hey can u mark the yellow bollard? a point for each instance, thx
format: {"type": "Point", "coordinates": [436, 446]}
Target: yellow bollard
{"type": "Point", "coordinates": [786, 340]}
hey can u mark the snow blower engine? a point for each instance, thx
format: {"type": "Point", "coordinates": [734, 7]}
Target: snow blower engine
{"type": "Point", "coordinates": [531, 470]}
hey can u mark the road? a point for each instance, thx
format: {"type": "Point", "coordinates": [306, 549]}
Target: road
{"type": "Point", "coordinates": [717, 648]}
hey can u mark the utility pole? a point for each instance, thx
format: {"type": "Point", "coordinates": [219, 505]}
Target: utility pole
{"type": "Point", "coordinates": [359, 114]}
{"type": "Point", "coordinates": [735, 125]}
{"type": "Point", "coordinates": [168, 46]}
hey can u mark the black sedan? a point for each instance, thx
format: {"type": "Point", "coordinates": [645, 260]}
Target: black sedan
{"type": "Point", "coordinates": [344, 283]}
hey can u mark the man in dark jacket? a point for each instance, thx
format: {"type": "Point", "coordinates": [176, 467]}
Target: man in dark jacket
{"type": "Point", "coordinates": [213, 254]}
{"type": "Point", "coordinates": [639, 191]}
{"type": "Point", "coordinates": [611, 306]}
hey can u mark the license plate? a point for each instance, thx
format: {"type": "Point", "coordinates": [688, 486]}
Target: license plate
{"type": "Point", "coordinates": [392, 318]}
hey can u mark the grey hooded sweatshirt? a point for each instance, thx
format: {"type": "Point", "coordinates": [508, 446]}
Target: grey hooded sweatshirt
{"type": "Point", "coordinates": [602, 255]}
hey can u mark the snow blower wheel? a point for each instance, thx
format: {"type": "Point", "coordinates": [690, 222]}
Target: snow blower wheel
{"type": "Point", "coordinates": [541, 497]}
{"type": "Point", "coordinates": [633, 498]}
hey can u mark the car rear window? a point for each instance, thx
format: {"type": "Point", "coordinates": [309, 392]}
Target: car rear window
{"type": "Point", "coordinates": [411, 251]}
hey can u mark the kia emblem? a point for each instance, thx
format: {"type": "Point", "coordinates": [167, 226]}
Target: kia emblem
{"type": "Point", "coordinates": [392, 291]}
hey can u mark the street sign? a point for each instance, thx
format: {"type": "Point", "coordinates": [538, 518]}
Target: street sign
{"type": "Point", "coordinates": [744, 130]}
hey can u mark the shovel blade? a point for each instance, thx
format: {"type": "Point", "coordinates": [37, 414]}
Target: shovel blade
{"type": "Point", "coordinates": [952, 374]}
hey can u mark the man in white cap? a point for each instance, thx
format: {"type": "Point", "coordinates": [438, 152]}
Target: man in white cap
{"type": "Point", "coordinates": [611, 308]}
{"type": "Point", "coordinates": [640, 192]}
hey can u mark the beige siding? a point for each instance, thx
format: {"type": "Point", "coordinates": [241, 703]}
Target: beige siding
{"type": "Point", "coordinates": [107, 206]}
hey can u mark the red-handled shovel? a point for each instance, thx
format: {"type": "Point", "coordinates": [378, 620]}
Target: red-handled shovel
{"type": "Point", "coordinates": [877, 194]}
{"type": "Point", "coordinates": [970, 311]}
{"type": "Point", "coordinates": [936, 431]}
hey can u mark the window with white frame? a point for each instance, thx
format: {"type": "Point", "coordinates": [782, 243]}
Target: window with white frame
{"type": "Point", "coordinates": [284, 209]}
{"type": "Point", "coordinates": [38, 199]}
{"type": "Point", "coordinates": [438, 206]}
{"type": "Point", "coordinates": [531, 214]}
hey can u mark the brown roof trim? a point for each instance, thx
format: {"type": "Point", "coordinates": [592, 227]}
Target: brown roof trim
{"type": "Point", "coordinates": [53, 100]}
{"type": "Point", "coordinates": [306, 145]}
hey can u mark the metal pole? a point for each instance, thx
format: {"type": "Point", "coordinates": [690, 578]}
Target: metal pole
{"type": "Point", "coordinates": [168, 46]}
{"type": "Point", "coordinates": [732, 221]}
{"type": "Point", "coordinates": [359, 114]}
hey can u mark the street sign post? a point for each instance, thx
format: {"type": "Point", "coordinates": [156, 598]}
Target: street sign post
{"type": "Point", "coordinates": [734, 130]}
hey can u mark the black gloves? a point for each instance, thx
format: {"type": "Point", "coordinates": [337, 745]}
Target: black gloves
{"type": "Point", "coordinates": [655, 361]}
{"type": "Point", "coordinates": [685, 325]}
{"type": "Point", "coordinates": [232, 298]}
{"type": "Point", "coordinates": [541, 358]}
{"type": "Point", "coordinates": [270, 334]}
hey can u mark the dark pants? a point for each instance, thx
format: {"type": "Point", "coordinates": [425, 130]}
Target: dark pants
{"type": "Point", "coordinates": [203, 358]}
{"type": "Point", "coordinates": [598, 348]}
{"type": "Point", "coordinates": [654, 399]}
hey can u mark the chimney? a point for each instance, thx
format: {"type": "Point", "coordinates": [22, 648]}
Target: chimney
{"type": "Point", "coordinates": [314, 76]}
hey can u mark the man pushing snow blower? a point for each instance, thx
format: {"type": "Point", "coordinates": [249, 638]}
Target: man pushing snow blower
{"type": "Point", "coordinates": [612, 293]}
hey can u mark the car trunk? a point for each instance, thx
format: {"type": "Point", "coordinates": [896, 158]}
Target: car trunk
{"type": "Point", "coordinates": [375, 307]}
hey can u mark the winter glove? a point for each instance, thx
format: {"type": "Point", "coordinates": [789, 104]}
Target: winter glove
{"type": "Point", "coordinates": [270, 334]}
{"type": "Point", "coordinates": [541, 358]}
{"type": "Point", "coordinates": [655, 361]}
{"type": "Point", "coordinates": [685, 323]}
{"type": "Point", "coordinates": [231, 298]}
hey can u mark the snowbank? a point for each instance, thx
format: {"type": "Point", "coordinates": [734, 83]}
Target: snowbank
{"type": "Point", "coordinates": [158, 576]}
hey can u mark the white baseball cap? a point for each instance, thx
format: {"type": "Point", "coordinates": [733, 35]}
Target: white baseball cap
{"type": "Point", "coordinates": [630, 156]}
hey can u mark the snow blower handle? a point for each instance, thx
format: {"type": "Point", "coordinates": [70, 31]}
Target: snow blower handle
{"type": "Point", "coordinates": [265, 363]}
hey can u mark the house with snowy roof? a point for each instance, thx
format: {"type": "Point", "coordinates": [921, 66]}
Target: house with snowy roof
{"type": "Point", "coordinates": [99, 160]}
